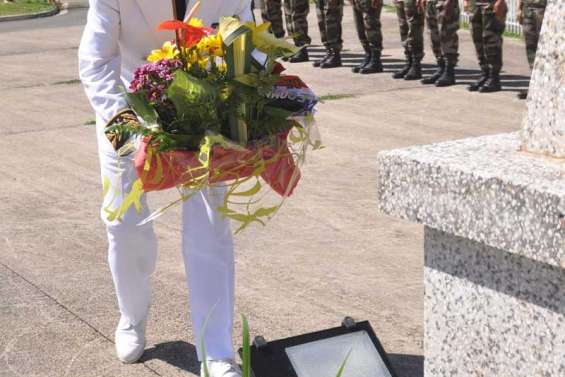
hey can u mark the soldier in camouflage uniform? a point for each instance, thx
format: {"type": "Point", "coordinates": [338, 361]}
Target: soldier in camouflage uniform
{"type": "Point", "coordinates": [442, 17]}
{"type": "Point", "coordinates": [411, 21]}
{"type": "Point", "coordinates": [271, 11]}
{"type": "Point", "coordinates": [367, 15]}
{"type": "Point", "coordinates": [296, 13]}
{"type": "Point", "coordinates": [530, 15]}
{"type": "Point", "coordinates": [488, 21]}
{"type": "Point", "coordinates": [330, 14]}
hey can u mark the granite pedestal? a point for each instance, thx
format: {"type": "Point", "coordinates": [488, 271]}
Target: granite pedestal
{"type": "Point", "coordinates": [494, 214]}
{"type": "Point", "coordinates": [494, 253]}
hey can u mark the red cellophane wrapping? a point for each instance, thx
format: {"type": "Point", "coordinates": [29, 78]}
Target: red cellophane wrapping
{"type": "Point", "coordinates": [173, 168]}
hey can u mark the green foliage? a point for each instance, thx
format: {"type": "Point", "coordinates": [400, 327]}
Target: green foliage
{"type": "Point", "coordinates": [67, 82]}
{"type": "Point", "coordinates": [246, 349]}
{"type": "Point", "coordinates": [196, 103]}
{"type": "Point", "coordinates": [343, 364]}
{"type": "Point", "coordinates": [334, 97]}
{"type": "Point", "coordinates": [143, 108]}
{"type": "Point", "coordinates": [25, 7]}
{"type": "Point", "coordinates": [246, 353]}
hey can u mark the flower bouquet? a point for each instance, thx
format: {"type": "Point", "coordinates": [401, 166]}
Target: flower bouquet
{"type": "Point", "coordinates": [215, 108]}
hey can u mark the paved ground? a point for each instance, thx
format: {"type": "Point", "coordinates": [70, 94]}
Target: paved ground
{"type": "Point", "coordinates": [328, 254]}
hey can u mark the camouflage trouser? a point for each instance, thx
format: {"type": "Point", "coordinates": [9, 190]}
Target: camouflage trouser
{"type": "Point", "coordinates": [443, 28]}
{"type": "Point", "coordinates": [411, 22]}
{"type": "Point", "coordinates": [330, 14]}
{"type": "Point", "coordinates": [368, 24]}
{"type": "Point", "coordinates": [487, 31]}
{"type": "Point", "coordinates": [296, 14]}
{"type": "Point", "coordinates": [533, 19]}
{"type": "Point", "coordinates": [271, 11]}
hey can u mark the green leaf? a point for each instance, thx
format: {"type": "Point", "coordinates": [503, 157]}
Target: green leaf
{"type": "Point", "coordinates": [252, 191]}
{"type": "Point", "coordinates": [188, 93]}
{"type": "Point", "coordinates": [263, 212]}
{"type": "Point", "coordinates": [232, 35]}
{"type": "Point", "coordinates": [342, 367]}
{"type": "Point", "coordinates": [202, 342]}
{"type": "Point", "coordinates": [246, 357]}
{"type": "Point", "coordinates": [143, 108]}
{"type": "Point", "coordinates": [277, 112]}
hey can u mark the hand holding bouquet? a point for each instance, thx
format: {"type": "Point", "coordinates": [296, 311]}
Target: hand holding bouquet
{"type": "Point", "coordinates": [216, 109]}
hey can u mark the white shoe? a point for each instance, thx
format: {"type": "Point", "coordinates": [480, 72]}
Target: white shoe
{"type": "Point", "coordinates": [221, 368]}
{"type": "Point", "coordinates": [130, 341]}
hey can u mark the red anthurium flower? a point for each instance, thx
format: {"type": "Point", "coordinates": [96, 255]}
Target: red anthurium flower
{"type": "Point", "coordinates": [172, 25]}
{"type": "Point", "coordinates": [193, 35]}
{"type": "Point", "coordinates": [190, 35]}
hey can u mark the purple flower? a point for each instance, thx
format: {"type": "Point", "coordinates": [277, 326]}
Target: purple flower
{"type": "Point", "coordinates": [154, 78]}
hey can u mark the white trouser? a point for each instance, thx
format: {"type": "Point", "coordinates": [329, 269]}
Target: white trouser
{"type": "Point", "coordinates": [207, 250]}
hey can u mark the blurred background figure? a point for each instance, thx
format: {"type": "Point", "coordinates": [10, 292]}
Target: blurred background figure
{"type": "Point", "coordinates": [442, 17]}
{"type": "Point", "coordinates": [296, 13]}
{"type": "Point", "coordinates": [411, 22]}
{"type": "Point", "coordinates": [367, 15]}
{"type": "Point", "coordinates": [530, 15]}
{"type": "Point", "coordinates": [271, 11]}
{"type": "Point", "coordinates": [488, 21]}
{"type": "Point", "coordinates": [330, 15]}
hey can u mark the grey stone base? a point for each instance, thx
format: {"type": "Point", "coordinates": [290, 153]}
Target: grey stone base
{"type": "Point", "coordinates": [484, 189]}
{"type": "Point", "coordinates": [489, 312]}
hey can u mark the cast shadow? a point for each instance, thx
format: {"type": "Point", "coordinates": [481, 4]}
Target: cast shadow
{"type": "Point", "coordinates": [178, 353]}
{"type": "Point", "coordinates": [398, 64]}
{"type": "Point", "coordinates": [348, 58]}
{"type": "Point", "coordinates": [407, 365]}
{"type": "Point", "coordinates": [511, 274]}
{"type": "Point", "coordinates": [182, 355]}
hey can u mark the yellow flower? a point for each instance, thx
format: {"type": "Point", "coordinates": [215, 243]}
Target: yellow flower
{"type": "Point", "coordinates": [268, 43]}
{"type": "Point", "coordinates": [222, 67]}
{"type": "Point", "coordinates": [196, 22]}
{"type": "Point", "coordinates": [211, 45]}
{"type": "Point", "coordinates": [168, 51]}
{"type": "Point", "coordinates": [193, 57]}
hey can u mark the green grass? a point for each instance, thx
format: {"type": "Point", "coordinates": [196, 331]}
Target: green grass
{"type": "Point", "coordinates": [24, 7]}
{"type": "Point", "coordinates": [67, 82]}
{"type": "Point", "coordinates": [389, 8]}
{"type": "Point", "coordinates": [335, 97]}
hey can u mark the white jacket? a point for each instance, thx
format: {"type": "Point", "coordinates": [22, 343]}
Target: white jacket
{"type": "Point", "coordinates": [118, 36]}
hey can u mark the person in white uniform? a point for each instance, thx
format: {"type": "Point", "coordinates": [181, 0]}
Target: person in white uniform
{"type": "Point", "coordinates": [117, 38]}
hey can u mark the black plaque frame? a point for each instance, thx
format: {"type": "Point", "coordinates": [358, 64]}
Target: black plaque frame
{"type": "Point", "coordinates": [271, 360]}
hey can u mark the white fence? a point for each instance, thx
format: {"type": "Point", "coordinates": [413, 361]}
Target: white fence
{"type": "Point", "coordinates": [512, 24]}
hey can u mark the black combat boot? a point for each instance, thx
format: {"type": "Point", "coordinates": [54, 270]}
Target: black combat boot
{"type": "Point", "coordinates": [363, 63]}
{"type": "Point", "coordinates": [375, 65]}
{"type": "Point", "coordinates": [400, 74]}
{"type": "Point", "coordinates": [437, 74]}
{"type": "Point", "coordinates": [300, 57]}
{"type": "Point", "coordinates": [493, 83]}
{"type": "Point", "coordinates": [415, 71]}
{"type": "Point", "coordinates": [448, 76]}
{"type": "Point", "coordinates": [318, 62]}
{"type": "Point", "coordinates": [522, 94]}
{"type": "Point", "coordinates": [481, 81]}
{"type": "Point", "coordinates": [333, 61]}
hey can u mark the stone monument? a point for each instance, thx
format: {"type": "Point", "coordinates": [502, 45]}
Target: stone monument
{"type": "Point", "coordinates": [494, 214]}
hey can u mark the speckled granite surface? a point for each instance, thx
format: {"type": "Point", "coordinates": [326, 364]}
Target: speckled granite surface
{"type": "Point", "coordinates": [544, 126]}
{"type": "Point", "coordinates": [491, 313]}
{"type": "Point", "coordinates": [483, 189]}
